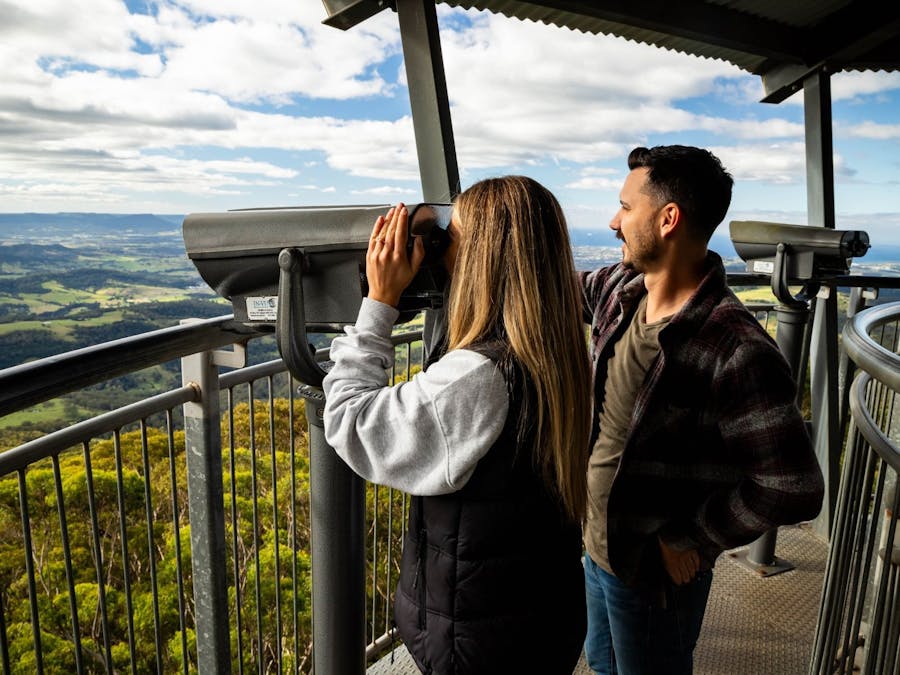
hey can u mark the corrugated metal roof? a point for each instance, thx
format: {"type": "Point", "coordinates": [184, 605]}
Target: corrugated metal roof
{"type": "Point", "coordinates": [757, 36]}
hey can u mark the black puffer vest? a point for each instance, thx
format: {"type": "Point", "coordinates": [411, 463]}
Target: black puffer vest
{"type": "Point", "coordinates": [491, 576]}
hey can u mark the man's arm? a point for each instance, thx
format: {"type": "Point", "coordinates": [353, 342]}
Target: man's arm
{"type": "Point", "coordinates": [763, 431]}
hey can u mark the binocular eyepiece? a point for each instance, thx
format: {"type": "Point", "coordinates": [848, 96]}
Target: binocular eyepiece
{"type": "Point", "coordinates": [430, 222]}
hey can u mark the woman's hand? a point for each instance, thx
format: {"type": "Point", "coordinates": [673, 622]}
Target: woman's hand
{"type": "Point", "coordinates": [388, 269]}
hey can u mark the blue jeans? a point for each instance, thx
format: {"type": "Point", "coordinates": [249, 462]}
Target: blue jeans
{"type": "Point", "coordinates": [630, 633]}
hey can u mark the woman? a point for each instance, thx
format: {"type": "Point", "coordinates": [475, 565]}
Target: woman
{"type": "Point", "coordinates": [492, 439]}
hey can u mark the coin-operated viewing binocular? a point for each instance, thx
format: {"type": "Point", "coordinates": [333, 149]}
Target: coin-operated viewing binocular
{"type": "Point", "coordinates": [796, 254]}
{"type": "Point", "coordinates": [302, 270]}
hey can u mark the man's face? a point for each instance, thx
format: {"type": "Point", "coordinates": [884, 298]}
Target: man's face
{"type": "Point", "coordinates": [635, 223]}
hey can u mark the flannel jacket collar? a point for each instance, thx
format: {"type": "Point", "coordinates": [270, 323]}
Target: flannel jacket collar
{"type": "Point", "coordinates": [695, 311]}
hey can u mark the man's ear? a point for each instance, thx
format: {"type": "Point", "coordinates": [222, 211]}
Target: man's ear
{"type": "Point", "coordinates": [670, 220]}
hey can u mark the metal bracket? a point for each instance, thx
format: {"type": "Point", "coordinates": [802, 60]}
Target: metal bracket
{"type": "Point", "coordinates": [780, 282]}
{"type": "Point", "coordinates": [775, 566]}
{"type": "Point", "coordinates": [236, 357]}
{"type": "Point", "coordinates": [290, 324]}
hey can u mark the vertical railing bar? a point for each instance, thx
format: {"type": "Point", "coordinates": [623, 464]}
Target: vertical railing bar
{"type": "Point", "coordinates": [863, 556]}
{"type": "Point", "coordinates": [98, 556]}
{"type": "Point", "coordinates": [856, 589]}
{"type": "Point", "coordinates": [853, 598]}
{"type": "Point", "coordinates": [295, 586]}
{"type": "Point", "coordinates": [884, 405]}
{"type": "Point", "coordinates": [374, 635]}
{"type": "Point", "coordinates": [67, 559]}
{"type": "Point", "coordinates": [387, 566]}
{"type": "Point", "coordinates": [4, 643]}
{"type": "Point", "coordinates": [881, 660]}
{"type": "Point", "coordinates": [123, 532]}
{"type": "Point", "coordinates": [29, 569]}
{"type": "Point", "coordinates": [151, 547]}
{"type": "Point", "coordinates": [878, 623]}
{"type": "Point", "coordinates": [892, 547]}
{"type": "Point", "coordinates": [234, 532]}
{"type": "Point", "coordinates": [894, 636]}
{"type": "Point", "coordinates": [256, 536]}
{"type": "Point", "coordinates": [831, 608]}
{"type": "Point", "coordinates": [176, 531]}
{"type": "Point", "coordinates": [278, 628]}
{"type": "Point", "coordinates": [310, 647]}
{"type": "Point", "coordinates": [846, 569]}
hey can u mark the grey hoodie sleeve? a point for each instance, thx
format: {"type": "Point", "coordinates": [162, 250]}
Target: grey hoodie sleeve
{"type": "Point", "coordinates": [425, 436]}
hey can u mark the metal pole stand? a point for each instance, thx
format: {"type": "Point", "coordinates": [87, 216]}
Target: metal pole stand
{"type": "Point", "coordinates": [337, 533]}
{"type": "Point", "coordinates": [792, 317]}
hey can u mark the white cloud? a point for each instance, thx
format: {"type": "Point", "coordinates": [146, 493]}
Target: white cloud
{"type": "Point", "coordinates": [522, 92]}
{"type": "Point", "coordinates": [598, 178]}
{"type": "Point", "coordinates": [873, 130]}
{"type": "Point", "coordinates": [777, 163]}
{"type": "Point", "coordinates": [225, 97]}
{"type": "Point", "coordinates": [252, 59]}
{"type": "Point", "coordinates": [851, 85]}
{"type": "Point", "coordinates": [385, 190]}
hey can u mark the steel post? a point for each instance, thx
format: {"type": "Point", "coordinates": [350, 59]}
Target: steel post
{"type": "Point", "coordinates": [337, 533]}
{"type": "Point", "coordinates": [789, 335]}
{"type": "Point", "coordinates": [203, 449]}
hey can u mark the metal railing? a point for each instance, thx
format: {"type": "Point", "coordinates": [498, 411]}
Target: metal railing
{"type": "Point", "coordinates": [113, 532]}
{"type": "Point", "coordinates": [858, 629]}
{"type": "Point", "coordinates": [176, 530]}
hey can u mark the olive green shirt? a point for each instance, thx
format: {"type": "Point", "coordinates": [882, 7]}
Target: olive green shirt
{"type": "Point", "coordinates": [634, 354]}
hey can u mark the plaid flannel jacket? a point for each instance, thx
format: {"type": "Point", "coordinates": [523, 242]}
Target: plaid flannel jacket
{"type": "Point", "coordinates": [717, 452]}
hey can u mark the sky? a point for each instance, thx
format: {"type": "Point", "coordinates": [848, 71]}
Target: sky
{"type": "Point", "coordinates": [189, 106]}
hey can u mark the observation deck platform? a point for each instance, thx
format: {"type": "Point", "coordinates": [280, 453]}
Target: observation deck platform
{"type": "Point", "coordinates": [754, 625]}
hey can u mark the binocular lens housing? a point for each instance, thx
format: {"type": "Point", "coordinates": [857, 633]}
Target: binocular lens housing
{"type": "Point", "coordinates": [811, 253]}
{"type": "Point", "coordinates": [236, 253]}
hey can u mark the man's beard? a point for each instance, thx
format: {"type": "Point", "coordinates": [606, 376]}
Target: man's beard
{"type": "Point", "coordinates": [627, 263]}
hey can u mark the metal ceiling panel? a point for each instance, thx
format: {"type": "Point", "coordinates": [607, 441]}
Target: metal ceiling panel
{"type": "Point", "coordinates": [754, 35]}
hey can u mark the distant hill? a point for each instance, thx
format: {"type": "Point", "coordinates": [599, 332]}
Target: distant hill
{"type": "Point", "coordinates": [86, 223]}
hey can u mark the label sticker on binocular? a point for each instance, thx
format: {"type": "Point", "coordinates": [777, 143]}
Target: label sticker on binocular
{"type": "Point", "coordinates": [263, 308]}
{"type": "Point", "coordinates": [764, 266]}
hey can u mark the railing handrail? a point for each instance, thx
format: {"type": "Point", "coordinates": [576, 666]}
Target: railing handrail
{"type": "Point", "coordinates": [866, 424]}
{"type": "Point", "coordinates": [43, 447]}
{"type": "Point", "coordinates": [41, 380]}
{"type": "Point", "coordinates": [35, 450]}
{"type": "Point", "coordinates": [44, 379]}
{"type": "Point", "coordinates": [881, 363]}
{"type": "Point", "coordinates": [841, 281]}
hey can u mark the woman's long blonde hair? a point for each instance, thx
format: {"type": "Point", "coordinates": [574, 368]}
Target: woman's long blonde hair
{"type": "Point", "coordinates": [514, 280]}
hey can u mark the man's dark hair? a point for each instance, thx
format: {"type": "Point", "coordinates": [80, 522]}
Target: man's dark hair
{"type": "Point", "coordinates": [691, 177]}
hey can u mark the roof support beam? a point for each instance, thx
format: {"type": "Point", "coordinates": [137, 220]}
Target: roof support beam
{"type": "Point", "coordinates": [345, 14]}
{"type": "Point", "coordinates": [428, 99]}
{"type": "Point", "coordinates": [782, 81]}
{"type": "Point", "coordinates": [823, 357]}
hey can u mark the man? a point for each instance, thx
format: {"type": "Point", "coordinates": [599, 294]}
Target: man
{"type": "Point", "coordinates": [698, 442]}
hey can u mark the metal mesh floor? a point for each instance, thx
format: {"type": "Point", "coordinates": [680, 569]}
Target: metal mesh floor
{"type": "Point", "coordinates": [753, 625]}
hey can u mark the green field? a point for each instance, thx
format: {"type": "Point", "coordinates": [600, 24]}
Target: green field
{"type": "Point", "coordinates": [50, 412]}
